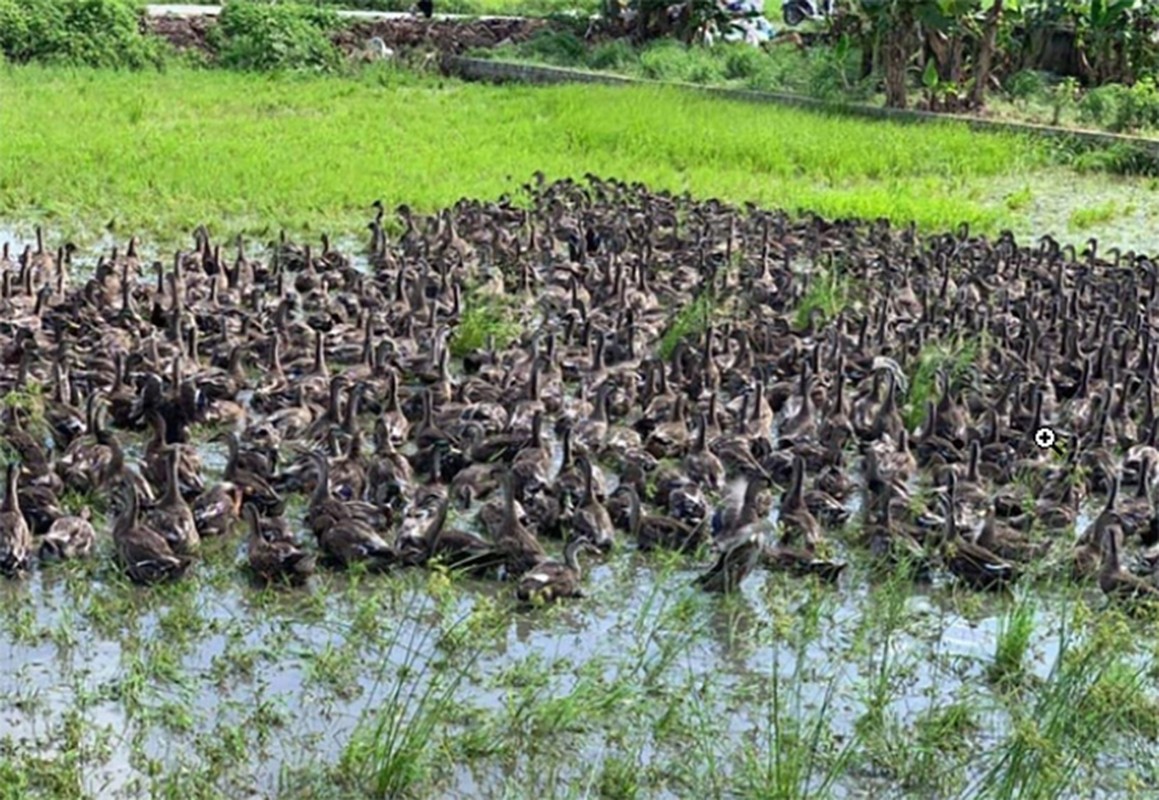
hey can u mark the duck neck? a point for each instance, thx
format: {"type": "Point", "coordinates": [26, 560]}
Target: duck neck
{"type": "Point", "coordinates": [571, 556]}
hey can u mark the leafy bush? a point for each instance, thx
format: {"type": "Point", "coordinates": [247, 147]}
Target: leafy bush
{"type": "Point", "coordinates": [1026, 85]}
{"type": "Point", "coordinates": [95, 33]}
{"type": "Point", "coordinates": [743, 61]}
{"type": "Point", "coordinates": [1122, 108]}
{"type": "Point", "coordinates": [258, 36]}
{"type": "Point", "coordinates": [556, 47]}
{"type": "Point", "coordinates": [669, 60]}
{"type": "Point", "coordinates": [614, 55]}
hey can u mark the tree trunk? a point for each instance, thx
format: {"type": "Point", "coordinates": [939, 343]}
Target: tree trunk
{"type": "Point", "coordinates": [895, 57]}
{"type": "Point", "coordinates": [986, 55]}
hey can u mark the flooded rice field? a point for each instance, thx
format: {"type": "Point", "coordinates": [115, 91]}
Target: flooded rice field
{"type": "Point", "coordinates": [602, 493]}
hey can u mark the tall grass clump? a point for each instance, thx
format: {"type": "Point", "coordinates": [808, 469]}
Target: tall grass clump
{"type": "Point", "coordinates": [484, 319]}
{"type": "Point", "coordinates": [1058, 734]}
{"type": "Point", "coordinates": [689, 322]}
{"type": "Point", "coordinates": [827, 295]}
{"type": "Point", "coordinates": [391, 751]}
{"type": "Point", "coordinates": [257, 36]}
{"type": "Point", "coordinates": [956, 358]}
{"type": "Point", "coordinates": [1015, 629]}
{"type": "Point", "coordinates": [91, 33]}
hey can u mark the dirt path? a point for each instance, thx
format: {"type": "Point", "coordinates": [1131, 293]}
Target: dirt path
{"type": "Point", "coordinates": [187, 26]}
{"type": "Point", "coordinates": [191, 11]}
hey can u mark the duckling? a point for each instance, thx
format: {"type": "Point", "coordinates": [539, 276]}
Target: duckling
{"type": "Point", "coordinates": [15, 535]}
{"type": "Point", "coordinates": [272, 559]}
{"type": "Point", "coordinates": [142, 552]}
{"type": "Point", "coordinates": [69, 537]}
{"type": "Point", "coordinates": [550, 580]}
{"type": "Point", "coordinates": [591, 520]}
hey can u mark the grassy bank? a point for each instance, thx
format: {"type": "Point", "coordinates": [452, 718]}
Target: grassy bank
{"type": "Point", "coordinates": [162, 152]}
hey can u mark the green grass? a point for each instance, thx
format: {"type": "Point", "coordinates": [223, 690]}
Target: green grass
{"type": "Point", "coordinates": [163, 152]}
{"type": "Point", "coordinates": [1082, 219]}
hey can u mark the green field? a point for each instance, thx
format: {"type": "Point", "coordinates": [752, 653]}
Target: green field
{"type": "Point", "coordinates": [417, 684]}
{"type": "Point", "coordinates": [161, 153]}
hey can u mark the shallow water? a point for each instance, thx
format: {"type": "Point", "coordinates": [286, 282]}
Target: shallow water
{"type": "Point", "coordinates": [159, 681]}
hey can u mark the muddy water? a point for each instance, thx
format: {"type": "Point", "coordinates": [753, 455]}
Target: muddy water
{"type": "Point", "coordinates": [154, 679]}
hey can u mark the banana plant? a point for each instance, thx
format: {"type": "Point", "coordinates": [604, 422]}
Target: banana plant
{"type": "Point", "coordinates": [1103, 29]}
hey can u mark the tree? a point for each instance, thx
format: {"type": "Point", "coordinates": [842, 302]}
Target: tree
{"type": "Point", "coordinates": [986, 53]}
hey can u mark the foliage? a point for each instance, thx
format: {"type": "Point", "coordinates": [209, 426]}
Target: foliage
{"type": "Point", "coordinates": [96, 33]}
{"type": "Point", "coordinates": [483, 319]}
{"type": "Point", "coordinates": [688, 324]}
{"type": "Point", "coordinates": [254, 35]}
{"type": "Point", "coordinates": [1122, 108]}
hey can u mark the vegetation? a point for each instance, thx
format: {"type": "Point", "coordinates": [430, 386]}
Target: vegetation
{"type": "Point", "coordinates": [246, 152]}
{"type": "Point", "coordinates": [99, 33]}
{"type": "Point", "coordinates": [408, 686]}
{"type": "Point", "coordinates": [259, 36]}
{"type": "Point", "coordinates": [484, 318]}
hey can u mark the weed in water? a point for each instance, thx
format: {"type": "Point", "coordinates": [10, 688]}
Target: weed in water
{"type": "Point", "coordinates": [484, 321]}
{"type": "Point", "coordinates": [1015, 629]}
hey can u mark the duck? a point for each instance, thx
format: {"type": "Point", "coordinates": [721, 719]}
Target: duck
{"type": "Point", "coordinates": [218, 509]}
{"type": "Point", "coordinates": [459, 550]}
{"type": "Point", "coordinates": [591, 520]}
{"type": "Point", "coordinates": [655, 531]}
{"type": "Point", "coordinates": [521, 548]}
{"type": "Point", "coordinates": [739, 543]}
{"type": "Point", "coordinates": [275, 559]}
{"type": "Point", "coordinates": [15, 535]}
{"type": "Point", "coordinates": [1116, 583]}
{"type": "Point", "coordinates": [172, 516]}
{"type": "Point", "coordinates": [69, 537]}
{"type": "Point", "coordinates": [738, 557]}
{"type": "Point", "coordinates": [142, 552]}
{"type": "Point", "coordinates": [969, 561]}
{"type": "Point", "coordinates": [550, 580]}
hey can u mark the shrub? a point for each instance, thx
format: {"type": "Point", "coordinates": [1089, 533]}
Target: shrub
{"type": "Point", "coordinates": [1026, 85]}
{"type": "Point", "coordinates": [95, 33]}
{"type": "Point", "coordinates": [743, 61]}
{"type": "Point", "coordinates": [672, 61]}
{"type": "Point", "coordinates": [614, 55]}
{"type": "Point", "coordinates": [1122, 108]}
{"type": "Point", "coordinates": [556, 47]}
{"type": "Point", "coordinates": [258, 36]}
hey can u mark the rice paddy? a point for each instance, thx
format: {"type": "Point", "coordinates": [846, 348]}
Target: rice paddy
{"type": "Point", "coordinates": [426, 683]}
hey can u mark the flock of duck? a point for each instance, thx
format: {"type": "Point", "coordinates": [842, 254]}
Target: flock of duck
{"type": "Point", "coordinates": [722, 381]}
